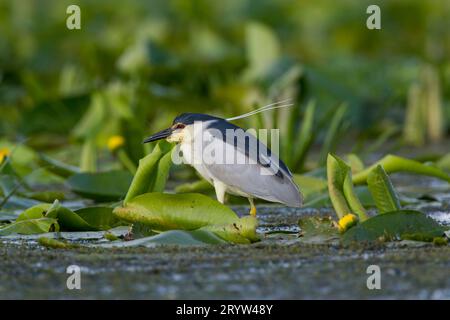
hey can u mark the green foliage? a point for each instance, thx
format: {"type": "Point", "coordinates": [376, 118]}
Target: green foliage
{"type": "Point", "coordinates": [340, 188]}
{"type": "Point", "coordinates": [57, 167]}
{"type": "Point", "coordinates": [331, 136]}
{"type": "Point", "coordinates": [382, 191]}
{"type": "Point", "coordinates": [392, 164]}
{"type": "Point", "coordinates": [305, 138]}
{"type": "Point", "coordinates": [172, 237]}
{"type": "Point", "coordinates": [152, 172]}
{"type": "Point", "coordinates": [85, 219]}
{"type": "Point", "coordinates": [30, 226]}
{"type": "Point", "coordinates": [101, 186]}
{"type": "Point", "coordinates": [318, 229]}
{"type": "Point", "coordinates": [53, 243]}
{"type": "Point", "coordinates": [425, 114]}
{"type": "Point", "coordinates": [160, 211]}
{"type": "Point", "coordinates": [395, 225]}
{"type": "Point", "coordinates": [149, 62]}
{"type": "Point", "coordinates": [164, 211]}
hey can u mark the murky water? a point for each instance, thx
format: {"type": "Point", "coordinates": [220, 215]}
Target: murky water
{"type": "Point", "coordinates": [280, 266]}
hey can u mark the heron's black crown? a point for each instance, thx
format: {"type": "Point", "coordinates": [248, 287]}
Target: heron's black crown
{"type": "Point", "coordinates": [190, 118]}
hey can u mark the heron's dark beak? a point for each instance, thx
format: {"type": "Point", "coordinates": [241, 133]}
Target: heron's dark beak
{"type": "Point", "coordinates": [160, 135]}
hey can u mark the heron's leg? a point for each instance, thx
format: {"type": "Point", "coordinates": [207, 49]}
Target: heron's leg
{"type": "Point", "coordinates": [252, 207]}
{"type": "Point", "coordinates": [220, 188]}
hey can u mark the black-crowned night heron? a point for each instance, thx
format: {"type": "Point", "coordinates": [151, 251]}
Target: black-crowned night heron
{"type": "Point", "coordinates": [261, 175]}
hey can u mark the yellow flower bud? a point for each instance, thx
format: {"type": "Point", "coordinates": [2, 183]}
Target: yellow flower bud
{"type": "Point", "coordinates": [115, 142]}
{"type": "Point", "coordinates": [4, 152]}
{"type": "Point", "coordinates": [347, 221]}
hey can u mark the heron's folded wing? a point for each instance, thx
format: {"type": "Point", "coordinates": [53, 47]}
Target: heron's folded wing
{"type": "Point", "coordinates": [252, 178]}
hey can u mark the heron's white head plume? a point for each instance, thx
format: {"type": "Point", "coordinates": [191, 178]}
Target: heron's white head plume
{"type": "Point", "coordinates": [276, 105]}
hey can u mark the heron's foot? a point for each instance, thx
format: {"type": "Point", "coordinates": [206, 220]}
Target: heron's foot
{"type": "Point", "coordinates": [252, 207]}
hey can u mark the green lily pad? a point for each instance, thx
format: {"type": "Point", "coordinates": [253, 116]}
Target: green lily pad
{"type": "Point", "coordinates": [45, 196]}
{"type": "Point", "coordinates": [102, 186]}
{"type": "Point", "coordinates": [163, 212]}
{"type": "Point", "coordinates": [172, 237]}
{"type": "Point", "coordinates": [30, 226]}
{"type": "Point", "coordinates": [152, 172]}
{"type": "Point", "coordinates": [242, 232]}
{"type": "Point", "coordinates": [57, 167]}
{"type": "Point", "coordinates": [318, 229]}
{"type": "Point", "coordinates": [35, 212]}
{"type": "Point", "coordinates": [197, 186]}
{"type": "Point", "coordinates": [101, 218]}
{"type": "Point", "coordinates": [187, 211]}
{"type": "Point", "coordinates": [85, 219]}
{"type": "Point", "coordinates": [404, 224]}
{"type": "Point", "coordinates": [69, 220]}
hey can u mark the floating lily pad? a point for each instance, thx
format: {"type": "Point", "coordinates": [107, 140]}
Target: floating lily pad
{"type": "Point", "coordinates": [404, 224]}
{"type": "Point", "coordinates": [70, 221]}
{"type": "Point", "coordinates": [57, 167]}
{"type": "Point", "coordinates": [45, 196]}
{"type": "Point", "coordinates": [162, 212]}
{"type": "Point", "coordinates": [318, 229]}
{"type": "Point", "coordinates": [34, 212]}
{"type": "Point", "coordinates": [197, 186]}
{"type": "Point", "coordinates": [101, 218]}
{"type": "Point", "coordinates": [172, 237]}
{"type": "Point", "coordinates": [86, 219]}
{"type": "Point", "coordinates": [102, 186]}
{"type": "Point", "coordinates": [31, 226]}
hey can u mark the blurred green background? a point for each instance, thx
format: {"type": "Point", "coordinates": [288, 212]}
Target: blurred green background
{"type": "Point", "coordinates": [135, 65]}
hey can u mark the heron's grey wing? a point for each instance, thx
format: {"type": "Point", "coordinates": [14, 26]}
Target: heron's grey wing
{"type": "Point", "coordinates": [248, 145]}
{"type": "Point", "coordinates": [253, 179]}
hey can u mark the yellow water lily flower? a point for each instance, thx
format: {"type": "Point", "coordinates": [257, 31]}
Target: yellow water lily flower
{"type": "Point", "coordinates": [115, 142]}
{"type": "Point", "coordinates": [347, 221]}
{"type": "Point", "coordinates": [4, 152]}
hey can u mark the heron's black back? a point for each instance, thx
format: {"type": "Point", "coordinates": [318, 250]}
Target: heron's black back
{"type": "Point", "coordinates": [223, 125]}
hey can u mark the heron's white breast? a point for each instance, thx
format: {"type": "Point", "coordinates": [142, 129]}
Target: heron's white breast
{"type": "Point", "coordinates": [192, 150]}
